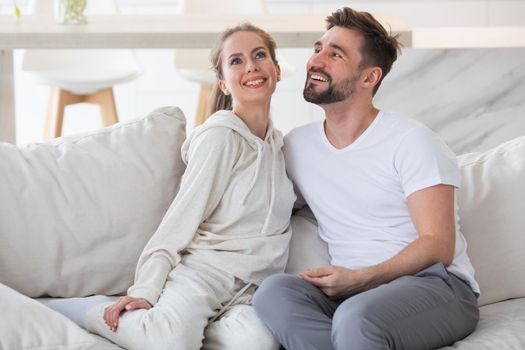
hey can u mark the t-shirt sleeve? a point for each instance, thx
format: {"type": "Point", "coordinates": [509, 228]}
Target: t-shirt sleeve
{"type": "Point", "coordinates": [422, 159]}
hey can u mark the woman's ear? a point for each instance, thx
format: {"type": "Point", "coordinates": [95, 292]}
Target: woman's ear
{"type": "Point", "coordinates": [278, 71]}
{"type": "Point", "coordinates": [222, 86]}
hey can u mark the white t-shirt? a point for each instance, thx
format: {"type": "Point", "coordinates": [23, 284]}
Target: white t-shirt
{"type": "Point", "coordinates": [358, 193]}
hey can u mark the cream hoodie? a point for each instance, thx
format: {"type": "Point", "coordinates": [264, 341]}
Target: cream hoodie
{"type": "Point", "coordinates": [232, 210]}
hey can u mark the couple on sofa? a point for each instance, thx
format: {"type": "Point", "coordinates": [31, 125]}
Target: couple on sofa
{"type": "Point", "coordinates": [382, 190]}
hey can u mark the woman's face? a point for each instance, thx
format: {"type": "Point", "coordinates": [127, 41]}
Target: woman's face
{"type": "Point", "coordinates": [249, 73]}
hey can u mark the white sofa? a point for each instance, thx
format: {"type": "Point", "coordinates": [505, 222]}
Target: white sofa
{"type": "Point", "coordinates": [76, 212]}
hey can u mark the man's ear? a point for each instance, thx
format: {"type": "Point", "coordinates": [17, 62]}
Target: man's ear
{"type": "Point", "coordinates": [222, 86]}
{"type": "Point", "coordinates": [372, 76]}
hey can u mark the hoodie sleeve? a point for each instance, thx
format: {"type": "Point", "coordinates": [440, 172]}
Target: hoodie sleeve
{"type": "Point", "coordinates": [210, 156]}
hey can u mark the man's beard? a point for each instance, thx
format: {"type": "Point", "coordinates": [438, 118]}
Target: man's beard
{"type": "Point", "coordinates": [334, 92]}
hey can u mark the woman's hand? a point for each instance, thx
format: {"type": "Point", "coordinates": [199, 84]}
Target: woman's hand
{"type": "Point", "coordinates": [112, 312]}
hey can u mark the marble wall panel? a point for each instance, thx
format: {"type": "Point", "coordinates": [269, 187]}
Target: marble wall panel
{"type": "Point", "coordinates": [474, 98]}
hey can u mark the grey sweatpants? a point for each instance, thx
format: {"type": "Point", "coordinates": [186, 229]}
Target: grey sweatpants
{"type": "Point", "coordinates": [426, 311]}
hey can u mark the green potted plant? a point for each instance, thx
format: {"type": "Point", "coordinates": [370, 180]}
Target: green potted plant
{"type": "Point", "coordinates": [70, 11]}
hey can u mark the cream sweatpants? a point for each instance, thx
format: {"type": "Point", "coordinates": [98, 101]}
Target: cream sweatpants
{"type": "Point", "coordinates": [194, 293]}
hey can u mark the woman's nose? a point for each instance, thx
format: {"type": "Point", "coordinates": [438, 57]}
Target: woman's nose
{"type": "Point", "coordinates": [252, 66]}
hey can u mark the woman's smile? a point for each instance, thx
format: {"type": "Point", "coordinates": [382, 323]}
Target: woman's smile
{"type": "Point", "coordinates": [255, 82]}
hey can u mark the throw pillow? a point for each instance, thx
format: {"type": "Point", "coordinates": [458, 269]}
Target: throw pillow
{"type": "Point", "coordinates": [492, 218]}
{"type": "Point", "coordinates": [27, 324]}
{"type": "Point", "coordinates": [76, 212]}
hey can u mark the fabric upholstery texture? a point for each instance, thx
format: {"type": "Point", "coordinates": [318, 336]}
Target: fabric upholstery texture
{"type": "Point", "coordinates": [492, 218]}
{"type": "Point", "coordinates": [76, 212]}
{"type": "Point", "coordinates": [307, 249]}
{"type": "Point", "coordinates": [27, 324]}
{"type": "Point", "coordinates": [501, 326]}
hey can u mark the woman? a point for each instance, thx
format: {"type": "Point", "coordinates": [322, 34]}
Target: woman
{"type": "Point", "coordinates": [228, 227]}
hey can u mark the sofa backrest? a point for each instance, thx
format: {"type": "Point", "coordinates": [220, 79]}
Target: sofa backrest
{"type": "Point", "coordinates": [76, 212]}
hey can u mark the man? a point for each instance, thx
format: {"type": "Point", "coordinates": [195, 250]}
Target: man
{"type": "Point", "coordinates": [382, 189]}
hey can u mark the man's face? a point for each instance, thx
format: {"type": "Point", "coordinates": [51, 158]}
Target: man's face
{"type": "Point", "coordinates": [333, 70]}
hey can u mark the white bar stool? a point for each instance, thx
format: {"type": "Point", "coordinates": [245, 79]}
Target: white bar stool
{"type": "Point", "coordinates": [76, 76]}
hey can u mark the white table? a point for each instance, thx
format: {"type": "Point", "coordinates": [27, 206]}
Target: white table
{"type": "Point", "coordinates": [170, 31]}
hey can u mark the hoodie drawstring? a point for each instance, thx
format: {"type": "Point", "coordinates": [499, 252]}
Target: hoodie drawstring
{"type": "Point", "coordinates": [259, 161]}
{"type": "Point", "coordinates": [229, 303]}
{"type": "Point", "coordinates": [272, 186]}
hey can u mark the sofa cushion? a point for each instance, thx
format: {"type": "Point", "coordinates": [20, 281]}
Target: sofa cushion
{"type": "Point", "coordinates": [501, 326]}
{"type": "Point", "coordinates": [76, 212]}
{"type": "Point", "coordinates": [99, 343]}
{"type": "Point", "coordinates": [307, 249]}
{"type": "Point", "coordinates": [492, 218]}
{"type": "Point", "coordinates": [27, 324]}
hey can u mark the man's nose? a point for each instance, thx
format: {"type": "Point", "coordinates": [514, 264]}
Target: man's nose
{"type": "Point", "coordinates": [316, 60]}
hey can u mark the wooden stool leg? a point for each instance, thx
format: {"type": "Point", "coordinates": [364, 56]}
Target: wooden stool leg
{"type": "Point", "coordinates": [106, 100]}
{"type": "Point", "coordinates": [203, 108]}
{"type": "Point", "coordinates": [58, 100]}
{"type": "Point", "coordinates": [52, 107]}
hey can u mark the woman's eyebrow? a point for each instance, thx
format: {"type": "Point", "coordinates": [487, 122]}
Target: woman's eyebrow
{"type": "Point", "coordinates": [240, 54]}
{"type": "Point", "coordinates": [235, 55]}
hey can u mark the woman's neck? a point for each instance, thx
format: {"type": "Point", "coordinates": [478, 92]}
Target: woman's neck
{"type": "Point", "coordinates": [255, 116]}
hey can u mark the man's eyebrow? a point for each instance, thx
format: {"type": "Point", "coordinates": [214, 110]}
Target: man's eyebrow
{"type": "Point", "coordinates": [334, 46]}
{"type": "Point", "coordinates": [337, 47]}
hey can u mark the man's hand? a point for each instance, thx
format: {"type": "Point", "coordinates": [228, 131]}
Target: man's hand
{"type": "Point", "coordinates": [337, 282]}
{"type": "Point", "coordinates": [112, 312]}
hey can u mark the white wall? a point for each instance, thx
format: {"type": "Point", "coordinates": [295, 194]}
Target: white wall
{"type": "Point", "coordinates": [161, 85]}
{"type": "Point", "coordinates": [422, 13]}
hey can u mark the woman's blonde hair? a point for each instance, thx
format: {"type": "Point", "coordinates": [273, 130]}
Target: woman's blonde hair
{"type": "Point", "coordinates": [218, 99]}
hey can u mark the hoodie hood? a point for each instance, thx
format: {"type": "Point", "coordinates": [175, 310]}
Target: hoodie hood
{"type": "Point", "coordinates": [227, 119]}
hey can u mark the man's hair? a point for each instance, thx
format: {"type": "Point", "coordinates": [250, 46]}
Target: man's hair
{"type": "Point", "coordinates": [379, 48]}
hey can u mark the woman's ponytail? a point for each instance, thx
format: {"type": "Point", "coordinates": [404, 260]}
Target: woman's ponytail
{"type": "Point", "coordinates": [218, 100]}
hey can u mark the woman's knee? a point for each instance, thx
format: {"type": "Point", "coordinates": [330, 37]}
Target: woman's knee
{"type": "Point", "coordinates": [153, 329]}
{"type": "Point", "coordinates": [239, 328]}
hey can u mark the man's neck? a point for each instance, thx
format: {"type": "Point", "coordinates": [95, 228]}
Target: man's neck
{"type": "Point", "coordinates": [347, 120]}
